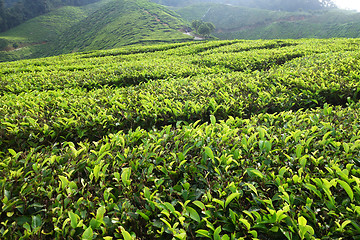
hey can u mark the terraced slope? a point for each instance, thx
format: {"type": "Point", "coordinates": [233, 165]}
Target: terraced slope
{"type": "Point", "coordinates": [219, 140]}
{"type": "Point", "coordinates": [102, 25]}
{"type": "Point", "coordinates": [123, 22]}
{"type": "Point", "coordinates": [31, 38]}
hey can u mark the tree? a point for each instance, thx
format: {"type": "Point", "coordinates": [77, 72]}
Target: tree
{"type": "Point", "coordinates": [211, 26]}
{"type": "Point", "coordinates": [3, 44]}
{"type": "Point", "coordinates": [2, 6]}
{"type": "Point", "coordinates": [33, 8]}
{"type": "Point", "coordinates": [206, 28]}
{"type": "Point", "coordinates": [203, 28]}
{"type": "Point", "coordinates": [2, 16]}
{"type": "Point", "coordinates": [328, 4]}
{"type": "Point", "coordinates": [196, 24]}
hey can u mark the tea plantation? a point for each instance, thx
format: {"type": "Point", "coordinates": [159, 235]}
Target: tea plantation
{"type": "Point", "coordinates": [199, 140]}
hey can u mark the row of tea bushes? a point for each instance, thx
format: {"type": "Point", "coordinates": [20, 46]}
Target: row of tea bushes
{"type": "Point", "coordinates": [215, 140]}
{"type": "Point", "coordinates": [291, 175]}
{"type": "Point", "coordinates": [46, 117]}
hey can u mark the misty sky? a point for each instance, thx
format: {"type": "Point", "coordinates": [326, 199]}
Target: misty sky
{"type": "Point", "coordinates": [348, 4]}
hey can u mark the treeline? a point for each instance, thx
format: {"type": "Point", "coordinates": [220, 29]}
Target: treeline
{"type": "Point", "coordinates": [285, 5]}
{"type": "Point", "coordinates": [15, 12]}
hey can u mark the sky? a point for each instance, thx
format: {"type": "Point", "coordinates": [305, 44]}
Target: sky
{"type": "Point", "coordinates": [348, 4]}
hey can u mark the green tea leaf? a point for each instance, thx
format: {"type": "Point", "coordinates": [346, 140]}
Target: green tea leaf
{"type": "Point", "coordinates": [170, 207]}
{"type": "Point", "coordinates": [143, 215]}
{"type": "Point", "coordinates": [95, 224]}
{"type": "Point", "coordinates": [88, 234]}
{"type": "Point", "coordinates": [303, 161]}
{"type": "Point", "coordinates": [64, 182]}
{"type": "Point", "coordinates": [193, 214]}
{"type": "Point", "coordinates": [254, 233]}
{"type": "Point", "coordinates": [125, 176]}
{"type": "Point", "coordinates": [96, 171]}
{"type": "Point", "coordinates": [252, 187]}
{"type": "Point", "coordinates": [245, 222]}
{"type": "Point", "coordinates": [346, 147]}
{"type": "Point", "coordinates": [200, 205]}
{"type": "Point", "coordinates": [220, 202]}
{"type": "Point", "coordinates": [225, 237]}
{"type": "Point", "coordinates": [262, 133]}
{"type": "Point", "coordinates": [125, 234]}
{"type": "Point", "coordinates": [252, 172]}
{"type": "Point", "coordinates": [343, 225]}
{"type": "Point", "coordinates": [203, 233]}
{"type": "Point", "coordinates": [298, 151]}
{"type": "Point", "coordinates": [268, 146]}
{"type": "Point", "coordinates": [231, 197]}
{"type": "Point", "coordinates": [209, 153]}
{"type": "Point", "coordinates": [302, 221]}
{"type": "Point", "coordinates": [347, 188]}
{"type": "Point", "coordinates": [12, 152]}
{"type": "Point", "coordinates": [36, 222]}
{"type": "Point", "coordinates": [100, 213]}
{"type": "Point", "coordinates": [27, 226]}
{"type": "Point", "coordinates": [181, 236]}
{"type": "Point", "coordinates": [73, 219]}
{"type": "Point", "coordinates": [212, 119]}
{"type": "Point", "coordinates": [217, 233]}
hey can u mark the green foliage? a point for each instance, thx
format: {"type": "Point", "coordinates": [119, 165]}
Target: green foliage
{"type": "Point", "coordinates": [22, 10]}
{"type": "Point", "coordinates": [122, 23]}
{"type": "Point", "coordinates": [205, 28]}
{"type": "Point", "coordinates": [109, 24]}
{"type": "Point", "coordinates": [196, 24]}
{"type": "Point", "coordinates": [3, 44]}
{"type": "Point", "coordinates": [35, 35]}
{"type": "Point", "coordinates": [213, 140]}
{"type": "Point", "coordinates": [230, 17]}
{"type": "Point", "coordinates": [241, 22]}
{"type": "Point", "coordinates": [102, 25]}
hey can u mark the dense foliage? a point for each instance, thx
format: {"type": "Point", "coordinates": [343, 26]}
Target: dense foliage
{"type": "Point", "coordinates": [199, 140]}
{"type": "Point", "coordinates": [203, 28]}
{"type": "Point", "coordinates": [20, 11]}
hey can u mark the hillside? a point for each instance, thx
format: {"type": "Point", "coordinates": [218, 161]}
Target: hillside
{"type": "Point", "coordinates": [114, 23]}
{"type": "Point", "coordinates": [198, 140]}
{"type": "Point", "coordinates": [277, 5]}
{"type": "Point", "coordinates": [15, 12]}
{"type": "Point", "coordinates": [102, 25]}
{"type": "Point", "coordinates": [226, 17]}
{"type": "Point", "coordinates": [123, 22]}
{"type": "Point", "coordinates": [236, 22]}
{"type": "Point", "coordinates": [30, 38]}
{"type": "Point", "coordinates": [45, 27]}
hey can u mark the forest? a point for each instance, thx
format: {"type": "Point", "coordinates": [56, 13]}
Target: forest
{"type": "Point", "coordinates": [15, 12]}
